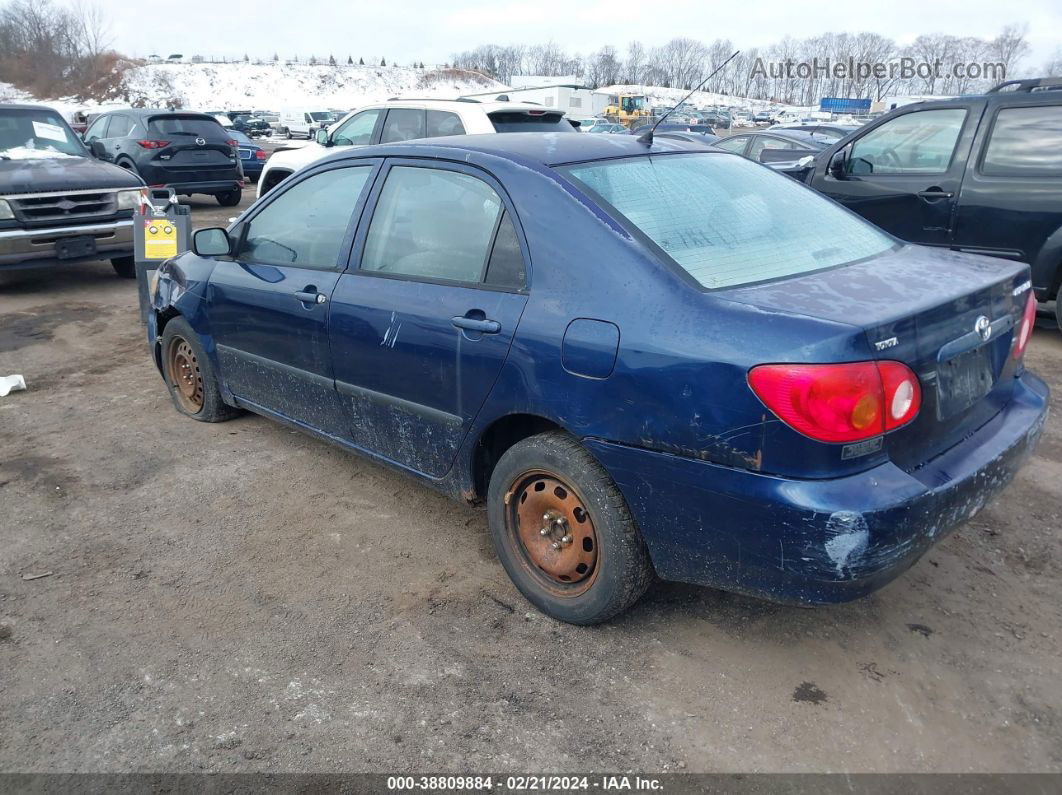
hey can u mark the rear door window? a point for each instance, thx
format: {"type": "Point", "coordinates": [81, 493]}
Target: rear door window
{"type": "Point", "coordinates": [1026, 141]}
{"type": "Point", "coordinates": [402, 124]}
{"type": "Point", "coordinates": [735, 143]}
{"type": "Point", "coordinates": [442, 123]}
{"type": "Point", "coordinates": [305, 225]}
{"type": "Point", "coordinates": [120, 126]}
{"type": "Point", "coordinates": [433, 224]}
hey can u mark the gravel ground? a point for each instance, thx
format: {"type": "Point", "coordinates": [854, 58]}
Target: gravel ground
{"type": "Point", "coordinates": [240, 597]}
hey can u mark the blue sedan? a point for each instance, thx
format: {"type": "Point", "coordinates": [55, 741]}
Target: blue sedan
{"type": "Point", "coordinates": [750, 388]}
{"type": "Point", "coordinates": [252, 156]}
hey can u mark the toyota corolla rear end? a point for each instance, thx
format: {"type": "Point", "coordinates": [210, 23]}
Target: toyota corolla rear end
{"type": "Point", "coordinates": [860, 398]}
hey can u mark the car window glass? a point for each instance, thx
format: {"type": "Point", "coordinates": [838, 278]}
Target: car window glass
{"type": "Point", "coordinates": [95, 129]}
{"type": "Point", "coordinates": [1025, 141]}
{"type": "Point", "coordinates": [305, 225]}
{"type": "Point", "coordinates": [402, 124]}
{"type": "Point", "coordinates": [737, 223]}
{"type": "Point", "coordinates": [914, 143]}
{"type": "Point", "coordinates": [735, 143]}
{"type": "Point", "coordinates": [432, 224]}
{"type": "Point", "coordinates": [190, 126]}
{"type": "Point", "coordinates": [761, 142]}
{"type": "Point", "coordinates": [441, 122]}
{"type": "Point", "coordinates": [357, 130]}
{"type": "Point", "coordinates": [506, 266]}
{"type": "Point", "coordinates": [119, 127]}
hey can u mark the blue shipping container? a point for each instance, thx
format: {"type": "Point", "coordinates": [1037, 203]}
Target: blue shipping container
{"type": "Point", "coordinates": [844, 105]}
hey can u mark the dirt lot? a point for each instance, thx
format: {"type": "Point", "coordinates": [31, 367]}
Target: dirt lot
{"type": "Point", "coordinates": [241, 597]}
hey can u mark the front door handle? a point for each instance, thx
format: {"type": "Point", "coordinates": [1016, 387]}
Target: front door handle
{"type": "Point", "coordinates": [935, 193]}
{"type": "Point", "coordinates": [482, 325]}
{"type": "Point", "coordinates": [311, 296]}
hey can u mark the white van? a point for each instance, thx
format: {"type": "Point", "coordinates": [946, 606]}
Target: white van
{"type": "Point", "coordinates": [303, 122]}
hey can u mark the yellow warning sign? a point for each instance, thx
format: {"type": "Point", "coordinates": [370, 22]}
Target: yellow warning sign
{"type": "Point", "coordinates": [160, 239]}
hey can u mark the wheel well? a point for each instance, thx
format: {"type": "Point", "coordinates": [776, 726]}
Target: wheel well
{"type": "Point", "coordinates": [161, 319]}
{"type": "Point", "coordinates": [499, 436]}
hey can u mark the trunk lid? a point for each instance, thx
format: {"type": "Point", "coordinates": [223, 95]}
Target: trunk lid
{"type": "Point", "coordinates": [198, 145]}
{"type": "Point", "coordinates": [950, 317]}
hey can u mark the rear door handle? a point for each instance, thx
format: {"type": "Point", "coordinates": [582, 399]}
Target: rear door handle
{"type": "Point", "coordinates": [475, 324]}
{"type": "Point", "coordinates": [311, 296]}
{"type": "Point", "coordinates": [935, 193]}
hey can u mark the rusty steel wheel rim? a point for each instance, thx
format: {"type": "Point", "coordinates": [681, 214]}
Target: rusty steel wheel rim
{"type": "Point", "coordinates": [185, 375]}
{"type": "Point", "coordinates": [549, 522]}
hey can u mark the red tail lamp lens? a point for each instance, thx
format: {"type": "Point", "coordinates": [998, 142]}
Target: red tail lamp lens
{"type": "Point", "coordinates": [1028, 320]}
{"type": "Point", "coordinates": [154, 144]}
{"type": "Point", "coordinates": [839, 402]}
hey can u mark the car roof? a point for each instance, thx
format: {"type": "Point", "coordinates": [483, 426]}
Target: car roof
{"type": "Point", "coordinates": [543, 148]}
{"type": "Point", "coordinates": [26, 106]}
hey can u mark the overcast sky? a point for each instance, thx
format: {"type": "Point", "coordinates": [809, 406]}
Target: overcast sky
{"type": "Point", "coordinates": [432, 30]}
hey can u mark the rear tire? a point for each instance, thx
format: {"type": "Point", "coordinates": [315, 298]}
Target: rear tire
{"type": "Point", "coordinates": [124, 267]}
{"type": "Point", "coordinates": [189, 375]}
{"type": "Point", "coordinates": [592, 563]}
{"type": "Point", "coordinates": [230, 198]}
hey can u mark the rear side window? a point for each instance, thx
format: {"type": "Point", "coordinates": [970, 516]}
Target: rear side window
{"type": "Point", "coordinates": [530, 121]}
{"type": "Point", "coordinates": [119, 127]}
{"type": "Point", "coordinates": [735, 143]}
{"type": "Point", "coordinates": [506, 266]}
{"type": "Point", "coordinates": [1025, 141]}
{"type": "Point", "coordinates": [402, 124]}
{"type": "Point", "coordinates": [305, 226]}
{"type": "Point", "coordinates": [432, 224]}
{"type": "Point", "coordinates": [441, 123]}
{"type": "Point", "coordinates": [195, 126]}
{"type": "Point", "coordinates": [736, 223]}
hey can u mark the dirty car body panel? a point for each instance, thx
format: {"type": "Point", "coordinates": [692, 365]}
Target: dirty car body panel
{"type": "Point", "coordinates": [608, 337]}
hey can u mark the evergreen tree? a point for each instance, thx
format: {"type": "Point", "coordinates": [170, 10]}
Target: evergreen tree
{"type": "Point", "coordinates": [276, 58]}
{"type": "Point", "coordinates": [350, 60]}
{"type": "Point", "coordinates": [383, 62]}
{"type": "Point", "coordinates": [246, 59]}
{"type": "Point", "coordinates": [313, 60]}
{"type": "Point", "coordinates": [361, 61]}
{"type": "Point", "coordinates": [331, 60]}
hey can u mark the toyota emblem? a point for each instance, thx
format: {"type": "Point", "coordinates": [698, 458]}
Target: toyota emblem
{"type": "Point", "coordinates": [983, 327]}
{"type": "Point", "coordinates": [200, 141]}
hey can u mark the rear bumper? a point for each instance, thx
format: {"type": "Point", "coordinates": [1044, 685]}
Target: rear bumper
{"type": "Point", "coordinates": [817, 541]}
{"type": "Point", "coordinates": [212, 188]}
{"type": "Point", "coordinates": [34, 248]}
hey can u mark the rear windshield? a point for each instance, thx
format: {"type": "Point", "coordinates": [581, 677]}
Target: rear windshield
{"type": "Point", "coordinates": [726, 220]}
{"type": "Point", "coordinates": [535, 121]}
{"type": "Point", "coordinates": [32, 133]}
{"type": "Point", "coordinates": [188, 125]}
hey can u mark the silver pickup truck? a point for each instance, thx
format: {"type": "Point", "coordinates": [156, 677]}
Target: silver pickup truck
{"type": "Point", "coordinates": [57, 203]}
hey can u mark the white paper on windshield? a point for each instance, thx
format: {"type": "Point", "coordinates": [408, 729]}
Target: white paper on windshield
{"type": "Point", "coordinates": [52, 132]}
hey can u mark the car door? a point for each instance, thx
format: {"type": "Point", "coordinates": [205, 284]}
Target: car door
{"type": "Point", "coordinates": [1009, 203]}
{"type": "Point", "coordinates": [268, 303]}
{"type": "Point", "coordinates": [423, 319]}
{"type": "Point", "coordinates": [904, 173]}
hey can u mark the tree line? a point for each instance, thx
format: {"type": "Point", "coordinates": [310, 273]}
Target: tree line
{"type": "Point", "coordinates": [777, 72]}
{"type": "Point", "coordinates": [52, 50]}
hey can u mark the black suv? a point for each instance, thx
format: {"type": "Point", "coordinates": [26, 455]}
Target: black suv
{"type": "Point", "coordinates": [251, 126]}
{"type": "Point", "coordinates": [58, 204]}
{"type": "Point", "coordinates": [189, 152]}
{"type": "Point", "coordinates": [980, 174]}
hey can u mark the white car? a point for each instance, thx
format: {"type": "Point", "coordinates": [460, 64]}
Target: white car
{"type": "Point", "coordinates": [404, 120]}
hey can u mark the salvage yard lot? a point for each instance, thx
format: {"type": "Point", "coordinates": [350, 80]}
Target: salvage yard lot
{"type": "Point", "coordinates": [242, 597]}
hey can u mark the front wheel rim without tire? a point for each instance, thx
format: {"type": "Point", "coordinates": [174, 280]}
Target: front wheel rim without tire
{"type": "Point", "coordinates": [185, 375]}
{"type": "Point", "coordinates": [547, 521]}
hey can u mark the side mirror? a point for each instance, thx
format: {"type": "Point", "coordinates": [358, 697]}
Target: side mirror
{"type": "Point", "coordinates": [838, 167]}
{"type": "Point", "coordinates": [211, 242]}
{"type": "Point", "coordinates": [322, 138]}
{"type": "Point", "coordinates": [99, 151]}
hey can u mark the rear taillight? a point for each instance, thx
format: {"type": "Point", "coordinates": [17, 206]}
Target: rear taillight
{"type": "Point", "coordinates": [839, 402]}
{"type": "Point", "coordinates": [233, 143]}
{"type": "Point", "coordinates": [1028, 320]}
{"type": "Point", "coordinates": [154, 144]}
{"type": "Point", "coordinates": [260, 154]}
